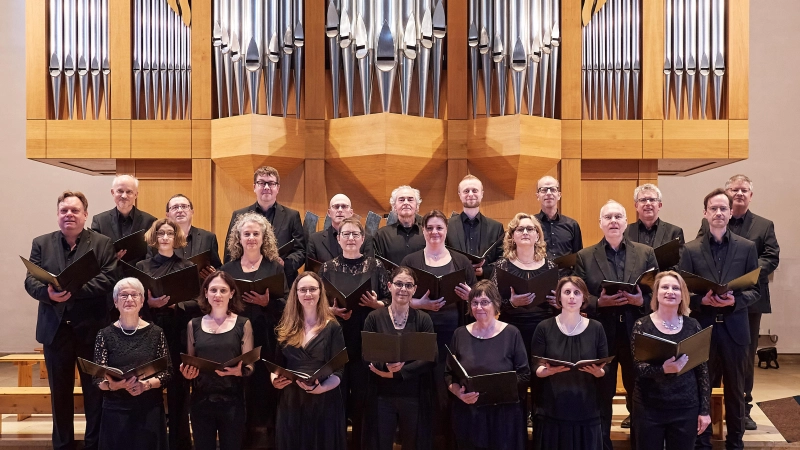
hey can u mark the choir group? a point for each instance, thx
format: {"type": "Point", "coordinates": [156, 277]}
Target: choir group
{"type": "Point", "coordinates": [505, 327]}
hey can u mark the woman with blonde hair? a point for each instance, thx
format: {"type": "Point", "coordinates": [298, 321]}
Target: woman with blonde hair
{"type": "Point", "coordinates": [309, 416]}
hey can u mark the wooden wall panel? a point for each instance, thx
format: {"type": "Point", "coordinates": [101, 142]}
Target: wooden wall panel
{"type": "Point", "coordinates": [571, 139]}
{"type": "Point", "coordinates": [201, 193]}
{"type": "Point", "coordinates": [37, 78]}
{"type": "Point", "coordinates": [652, 139]}
{"type": "Point", "coordinates": [611, 139]}
{"type": "Point", "coordinates": [614, 169]}
{"type": "Point", "coordinates": [201, 139]}
{"type": "Point", "coordinates": [570, 56]}
{"type": "Point", "coordinates": [36, 139]}
{"type": "Point", "coordinates": [316, 196]}
{"type": "Point", "coordinates": [202, 81]}
{"type": "Point", "coordinates": [571, 187]}
{"type": "Point", "coordinates": [120, 58]}
{"type": "Point", "coordinates": [154, 194]}
{"type": "Point", "coordinates": [121, 139]}
{"type": "Point", "coordinates": [738, 60]}
{"type": "Point", "coordinates": [696, 139]}
{"type": "Point", "coordinates": [161, 139]}
{"type": "Point", "coordinates": [739, 139]}
{"type": "Point", "coordinates": [163, 169]}
{"type": "Point", "coordinates": [78, 139]}
{"type": "Point", "coordinates": [456, 170]}
{"type": "Point", "coordinates": [652, 59]}
{"type": "Point", "coordinates": [457, 137]}
{"type": "Point", "coordinates": [594, 194]}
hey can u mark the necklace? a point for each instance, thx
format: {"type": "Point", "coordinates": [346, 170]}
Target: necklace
{"type": "Point", "coordinates": [398, 320]}
{"type": "Point", "coordinates": [484, 335]}
{"type": "Point", "coordinates": [252, 265]}
{"type": "Point", "coordinates": [564, 326]}
{"type": "Point", "coordinates": [672, 327]}
{"type": "Point", "coordinates": [434, 257]}
{"type": "Point", "coordinates": [525, 262]}
{"type": "Point", "coordinates": [219, 325]}
{"type": "Point", "coordinates": [125, 332]}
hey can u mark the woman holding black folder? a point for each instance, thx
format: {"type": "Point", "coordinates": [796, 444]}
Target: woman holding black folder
{"type": "Point", "coordinates": [218, 404]}
{"type": "Point", "coordinates": [133, 409]}
{"type": "Point", "coordinates": [487, 346]}
{"type": "Point", "coordinates": [353, 265]}
{"type": "Point", "coordinates": [669, 410]}
{"type": "Point", "coordinates": [309, 416]}
{"type": "Point", "coordinates": [567, 408]}
{"type": "Point", "coordinates": [399, 393]}
{"type": "Point", "coordinates": [254, 256]}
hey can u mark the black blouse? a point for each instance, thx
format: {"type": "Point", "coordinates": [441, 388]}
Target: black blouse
{"type": "Point", "coordinates": [219, 347]}
{"type": "Point", "coordinates": [501, 353]}
{"type": "Point", "coordinates": [158, 266]}
{"type": "Point", "coordinates": [538, 313]}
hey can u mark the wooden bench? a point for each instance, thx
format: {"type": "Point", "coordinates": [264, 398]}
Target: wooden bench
{"type": "Point", "coordinates": [25, 363]}
{"type": "Point", "coordinates": [31, 400]}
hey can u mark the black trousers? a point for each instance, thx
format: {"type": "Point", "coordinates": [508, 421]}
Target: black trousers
{"type": "Point", "coordinates": [663, 429]}
{"type": "Point", "coordinates": [621, 348]}
{"type": "Point", "coordinates": [393, 411]}
{"type": "Point", "coordinates": [225, 417]}
{"type": "Point", "coordinates": [353, 387]}
{"type": "Point", "coordinates": [180, 438]}
{"type": "Point", "coordinates": [60, 357]}
{"type": "Point", "coordinates": [727, 362]}
{"type": "Point", "coordinates": [755, 326]}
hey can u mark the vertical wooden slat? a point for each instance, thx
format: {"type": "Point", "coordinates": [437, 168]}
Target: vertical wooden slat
{"type": "Point", "coordinates": [201, 60]}
{"type": "Point", "coordinates": [570, 55]}
{"type": "Point", "coordinates": [316, 196]}
{"type": "Point", "coordinates": [120, 139]}
{"type": "Point", "coordinates": [201, 138]}
{"type": "Point", "coordinates": [201, 193]}
{"type": "Point", "coordinates": [314, 81]}
{"type": "Point", "coordinates": [570, 138]}
{"type": "Point", "coordinates": [120, 58]}
{"type": "Point", "coordinates": [653, 59]}
{"type": "Point", "coordinates": [37, 78]}
{"type": "Point", "coordinates": [737, 76]}
{"type": "Point", "coordinates": [455, 102]}
{"type": "Point", "coordinates": [571, 187]}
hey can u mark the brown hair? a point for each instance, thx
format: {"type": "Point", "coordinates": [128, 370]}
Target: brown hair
{"type": "Point", "coordinates": [269, 244]}
{"type": "Point", "coordinates": [434, 214]}
{"type": "Point", "coordinates": [683, 309]}
{"type": "Point", "coordinates": [510, 247]}
{"type": "Point", "coordinates": [487, 288]}
{"type": "Point", "coordinates": [180, 196]}
{"type": "Point", "coordinates": [78, 194]}
{"type": "Point", "coordinates": [578, 283]}
{"type": "Point", "coordinates": [266, 171]}
{"type": "Point", "coordinates": [352, 221]}
{"type": "Point", "coordinates": [716, 192]}
{"type": "Point", "coordinates": [290, 328]}
{"type": "Point", "coordinates": [234, 305]}
{"type": "Point", "coordinates": [399, 270]}
{"type": "Point", "coordinates": [151, 235]}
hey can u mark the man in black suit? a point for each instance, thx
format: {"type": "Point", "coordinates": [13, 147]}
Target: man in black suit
{"type": "Point", "coordinates": [181, 211]}
{"type": "Point", "coordinates": [394, 242]}
{"type": "Point", "coordinates": [722, 256]}
{"type": "Point", "coordinates": [561, 233]}
{"type": "Point", "coordinates": [68, 323]}
{"type": "Point", "coordinates": [615, 258]}
{"type": "Point", "coordinates": [761, 231]}
{"type": "Point", "coordinates": [323, 245]}
{"type": "Point", "coordinates": [285, 221]}
{"type": "Point", "coordinates": [125, 218]}
{"type": "Point", "coordinates": [472, 232]}
{"type": "Point", "coordinates": [650, 229]}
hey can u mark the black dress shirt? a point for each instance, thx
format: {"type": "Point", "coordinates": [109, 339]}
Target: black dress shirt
{"type": "Point", "coordinates": [719, 251]}
{"type": "Point", "coordinates": [562, 235]}
{"type": "Point", "coordinates": [395, 242]}
{"type": "Point", "coordinates": [472, 233]}
{"type": "Point", "coordinates": [125, 222]}
{"type": "Point", "coordinates": [616, 258]}
{"type": "Point", "coordinates": [269, 214]}
{"type": "Point", "coordinates": [735, 225]}
{"type": "Point", "coordinates": [647, 236]}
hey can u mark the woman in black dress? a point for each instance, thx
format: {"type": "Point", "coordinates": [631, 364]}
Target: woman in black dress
{"type": "Point", "coordinates": [669, 410]}
{"type": "Point", "coordinates": [310, 417]}
{"type": "Point", "coordinates": [133, 409]}
{"type": "Point", "coordinates": [484, 347]}
{"type": "Point", "coordinates": [218, 398]}
{"type": "Point", "coordinates": [254, 256]}
{"type": "Point", "coordinates": [567, 408]}
{"type": "Point", "coordinates": [400, 392]}
{"type": "Point", "coordinates": [354, 267]}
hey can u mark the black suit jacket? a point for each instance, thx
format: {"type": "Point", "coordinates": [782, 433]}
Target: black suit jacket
{"type": "Point", "coordinates": [201, 240]}
{"type": "Point", "coordinates": [665, 232]}
{"type": "Point", "coordinates": [319, 247]}
{"type": "Point", "coordinates": [762, 232]}
{"type": "Point", "coordinates": [491, 231]}
{"type": "Point", "coordinates": [592, 266]}
{"type": "Point", "coordinates": [741, 259]}
{"type": "Point", "coordinates": [106, 223]}
{"type": "Point", "coordinates": [88, 311]}
{"type": "Point", "coordinates": [287, 226]}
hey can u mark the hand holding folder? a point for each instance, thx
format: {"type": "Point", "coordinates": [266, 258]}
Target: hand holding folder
{"type": "Point", "coordinates": [142, 372]}
{"type": "Point", "coordinates": [572, 365]}
{"type": "Point", "coordinates": [566, 262]}
{"type": "Point", "coordinates": [492, 388]}
{"type": "Point", "coordinates": [477, 259]}
{"type": "Point", "coordinates": [205, 365]}
{"type": "Point", "coordinates": [202, 260]}
{"type": "Point", "coordinates": [336, 363]}
{"type": "Point", "coordinates": [134, 245]}
{"type": "Point", "coordinates": [286, 249]}
{"type": "Point", "coordinates": [272, 284]}
{"type": "Point", "coordinates": [346, 289]}
{"type": "Point", "coordinates": [646, 279]}
{"type": "Point", "coordinates": [439, 286]}
{"type": "Point", "coordinates": [540, 285]}
{"type": "Point", "coordinates": [700, 286]}
{"type": "Point", "coordinates": [72, 278]}
{"type": "Point", "coordinates": [655, 350]}
{"type": "Point", "coordinates": [392, 348]}
{"type": "Point", "coordinates": [181, 285]}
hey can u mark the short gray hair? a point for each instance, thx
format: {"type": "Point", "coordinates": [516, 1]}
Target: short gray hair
{"type": "Point", "coordinates": [646, 187]}
{"type": "Point", "coordinates": [135, 180]}
{"type": "Point", "coordinates": [739, 177]}
{"type": "Point", "coordinates": [393, 197]}
{"type": "Point", "coordinates": [129, 282]}
{"type": "Point", "coordinates": [613, 202]}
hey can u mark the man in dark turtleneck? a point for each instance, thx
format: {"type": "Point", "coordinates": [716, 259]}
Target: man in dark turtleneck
{"type": "Point", "coordinates": [395, 241]}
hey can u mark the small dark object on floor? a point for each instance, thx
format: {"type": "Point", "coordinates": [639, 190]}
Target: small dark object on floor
{"type": "Point", "coordinates": [768, 355]}
{"type": "Point", "coordinates": [626, 422]}
{"type": "Point", "coordinates": [749, 423]}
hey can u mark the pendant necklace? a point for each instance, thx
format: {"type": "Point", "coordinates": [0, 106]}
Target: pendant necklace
{"type": "Point", "coordinates": [570, 332]}
{"type": "Point", "coordinates": [672, 327]}
{"type": "Point", "coordinates": [399, 322]}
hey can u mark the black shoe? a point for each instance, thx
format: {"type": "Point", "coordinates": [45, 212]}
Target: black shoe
{"type": "Point", "coordinates": [626, 422]}
{"type": "Point", "coordinates": [749, 423]}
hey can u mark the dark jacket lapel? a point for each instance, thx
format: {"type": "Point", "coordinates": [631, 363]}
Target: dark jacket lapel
{"type": "Point", "coordinates": [114, 224]}
{"type": "Point", "coordinates": [602, 262]}
{"type": "Point", "coordinates": [631, 257]}
{"type": "Point", "coordinates": [748, 224]}
{"type": "Point", "coordinates": [277, 221]}
{"type": "Point", "coordinates": [457, 229]}
{"type": "Point", "coordinates": [325, 241]}
{"type": "Point", "coordinates": [733, 248]}
{"type": "Point", "coordinates": [661, 231]}
{"type": "Point", "coordinates": [708, 256]}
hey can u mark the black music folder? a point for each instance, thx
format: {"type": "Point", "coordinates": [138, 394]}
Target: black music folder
{"type": "Point", "coordinates": [346, 288]}
{"type": "Point", "coordinates": [388, 265]}
{"type": "Point", "coordinates": [700, 286]}
{"type": "Point", "coordinates": [443, 286]}
{"type": "Point", "coordinates": [202, 260]}
{"type": "Point", "coordinates": [541, 285]}
{"type": "Point", "coordinates": [286, 249]}
{"type": "Point", "coordinates": [135, 245]}
{"type": "Point", "coordinates": [312, 265]}
{"type": "Point", "coordinates": [656, 350]}
{"type": "Point", "coordinates": [272, 283]}
{"type": "Point", "coordinates": [477, 259]}
{"type": "Point", "coordinates": [144, 371]}
{"type": "Point", "coordinates": [205, 365]}
{"type": "Point", "coordinates": [566, 261]}
{"type": "Point", "coordinates": [645, 279]}
{"type": "Point", "coordinates": [571, 365]}
{"type": "Point", "coordinates": [181, 285]}
{"type": "Point", "coordinates": [336, 363]}
{"type": "Point", "coordinates": [492, 388]}
{"type": "Point", "coordinates": [390, 348]}
{"type": "Point", "coordinates": [668, 255]}
{"type": "Point", "coordinates": [72, 278]}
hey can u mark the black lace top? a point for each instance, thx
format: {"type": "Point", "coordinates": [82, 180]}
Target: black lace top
{"type": "Point", "coordinates": [669, 391]}
{"type": "Point", "coordinates": [115, 349]}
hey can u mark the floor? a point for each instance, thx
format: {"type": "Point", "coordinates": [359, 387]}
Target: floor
{"type": "Point", "coordinates": [34, 432]}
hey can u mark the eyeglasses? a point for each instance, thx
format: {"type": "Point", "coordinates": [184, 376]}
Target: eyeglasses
{"type": "Point", "coordinates": [523, 230]}
{"type": "Point", "coordinates": [743, 191]}
{"type": "Point", "coordinates": [718, 209]}
{"type": "Point", "coordinates": [134, 296]}
{"type": "Point", "coordinates": [341, 206]}
{"type": "Point", "coordinates": [350, 234]}
{"type": "Point", "coordinates": [308, 290]}
{"type": "Point", "coordinates": [617, 217]}
{"type": "Point", "coordinates": [647, 200]}
{"type": "Point", "coordinates": [400, 285]}
{"type": "Point", "coordinates": [271, 184]}
{"type": "Point", "coordinates": [165, 233]}
{"type": "Point", "coordinates": [482, 303]}
{"type": "Point", "coordinates": [546, 189]}
{"type": "Point", "coordinates": [179, 207]}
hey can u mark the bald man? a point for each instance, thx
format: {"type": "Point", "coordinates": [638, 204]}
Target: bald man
{"type": "Point", "coordinates": [323, 245]}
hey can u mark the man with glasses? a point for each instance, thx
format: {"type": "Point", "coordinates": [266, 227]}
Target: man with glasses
{"type": "Point", "coordinates": [561, 233]}
{"type": "Point", "coordinates": [615, 258]}
{"type": "Point", "coordinates": [285, 221]}
{"type": "Point", "coordinates": [761, 231]}
{"type": "Point", "coordinates": [394, 242]}
{"type": "Point", "coordinates": [180, 210]}
{"type": "Point", "coordinates": [650, 229]}
{"type": "Point", "coordinates": [323, 245]}
{"type": "Point", "coordinates": [472, 232]}
{"type": "Point", "coordinates": [720, 255]}
{"type": "Point", "coordinates": [68, 323]}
